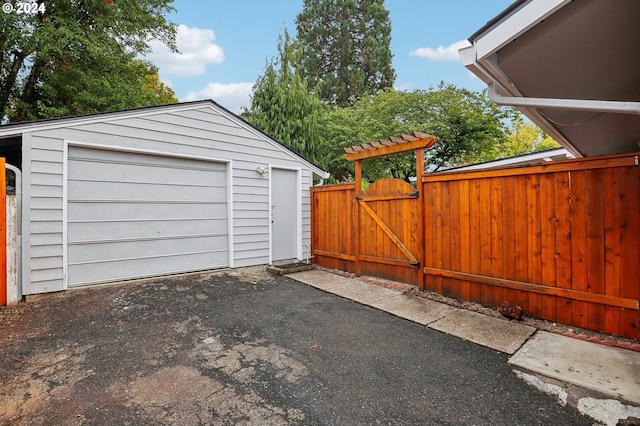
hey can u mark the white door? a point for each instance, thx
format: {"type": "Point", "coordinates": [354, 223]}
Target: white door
{"type": "Point", "coordinates": [133, 215]}
{"type": "Point", "coordinates": [284, 214]}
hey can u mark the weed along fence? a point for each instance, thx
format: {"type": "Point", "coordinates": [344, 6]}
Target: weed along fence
{"type": "Point", "coordinates": [559, 240]}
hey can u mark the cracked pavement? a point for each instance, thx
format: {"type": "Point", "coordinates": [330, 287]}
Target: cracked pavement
{"type": "Point", "coordinates": [247, 348]}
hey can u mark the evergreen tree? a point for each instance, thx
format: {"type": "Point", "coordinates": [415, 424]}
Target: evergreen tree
{"type": "Point", "coordinates": [283, 107]}
{"type": "Point", "coordinates": [346, 48]}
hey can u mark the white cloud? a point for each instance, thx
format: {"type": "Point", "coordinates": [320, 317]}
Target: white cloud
{"type": "Point", "coordinates": [232, 96]}
{"type": "Point", "coordinates": [441, 53]}
{"type": "Point", "coordinates": [407, 87]}
{"type": "Point", "coordinates": [196, 51]}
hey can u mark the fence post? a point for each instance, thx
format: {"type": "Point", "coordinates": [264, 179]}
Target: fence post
{"type": "Point", "coordinates": [421, 218]}
{"type": "Point", "coordinates": [356, 215]}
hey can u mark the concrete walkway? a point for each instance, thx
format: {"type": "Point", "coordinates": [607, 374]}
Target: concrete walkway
{"type": "Point", "coordinates": [613, 372]}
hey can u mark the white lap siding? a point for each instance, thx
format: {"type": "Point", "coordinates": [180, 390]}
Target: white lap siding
{"type": "Point", "coordinates": [43, 255]}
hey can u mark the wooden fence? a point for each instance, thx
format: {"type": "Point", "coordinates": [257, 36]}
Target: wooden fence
{"type": "Point", "coordinates": [332, 226]}
{"type": "Point", "coordinates": [559, 240]}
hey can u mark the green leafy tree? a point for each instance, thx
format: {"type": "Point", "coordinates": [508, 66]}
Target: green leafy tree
{"type": "Point", "coordinates": [155, 91]}
{"type": "Point", "coordinates": [282, 105]}
{"type": "Point", "coordinates": [346, 48]}
{"type": "Point", "coordinates": [524, 138]}
{"type": "Point", "coordinates": [467, 123]}
{"type": "Point", "coordinates": [78, 56]}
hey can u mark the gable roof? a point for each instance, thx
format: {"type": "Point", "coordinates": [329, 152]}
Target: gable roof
{"type": "Point", "coordinates": [15, 129]}
{"type": "Point", "coordinates": [572, 67]}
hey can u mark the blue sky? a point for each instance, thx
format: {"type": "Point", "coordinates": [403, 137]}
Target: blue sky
{"type": "Point", "coordinates": [225, 44]}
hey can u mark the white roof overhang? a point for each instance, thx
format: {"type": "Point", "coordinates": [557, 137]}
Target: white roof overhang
{"type": "Point", "coordinates": [573, 67]}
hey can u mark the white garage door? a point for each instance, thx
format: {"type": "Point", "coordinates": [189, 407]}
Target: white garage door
{"type": "Point", "coordinates": [134, 215]}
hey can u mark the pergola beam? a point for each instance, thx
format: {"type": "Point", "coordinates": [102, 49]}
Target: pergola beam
{"type": "Point", "coordinates": [390, 146]}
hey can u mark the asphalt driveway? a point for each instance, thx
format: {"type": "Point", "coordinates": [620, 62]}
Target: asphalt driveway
{"type": "Point", "coordinates": [247, 348]}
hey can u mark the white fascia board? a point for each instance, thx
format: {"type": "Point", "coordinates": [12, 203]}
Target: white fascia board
{"type": "Point", "coordinates": [487, 71]}
{"type": "Point", "coordinates": [468, 58]}
{"type": "Point", "coordinates": [467, 55]}
{"type": "Point", "coordinates": [514, 25]}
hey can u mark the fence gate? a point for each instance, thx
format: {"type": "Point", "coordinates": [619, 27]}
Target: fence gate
{"type": "Point", "coordinates": [388, 233]}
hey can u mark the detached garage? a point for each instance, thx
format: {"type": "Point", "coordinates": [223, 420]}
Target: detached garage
{"type": "Point", "coordinates": [154, 191]}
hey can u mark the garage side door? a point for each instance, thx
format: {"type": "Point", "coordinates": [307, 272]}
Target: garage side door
{"type": "Point", "coordinates": [134, 215]}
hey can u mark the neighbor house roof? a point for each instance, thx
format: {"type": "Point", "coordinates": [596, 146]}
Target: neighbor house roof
{"type": "Point", "coordinates": [523, 160]}
{"type": "Point", "coordinates": [572, 67]}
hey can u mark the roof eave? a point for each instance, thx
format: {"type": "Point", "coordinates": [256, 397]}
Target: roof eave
{"type": "Point", "coordinates": [513, 21]}
{"type": "Point", "coordinates": [468, 55]}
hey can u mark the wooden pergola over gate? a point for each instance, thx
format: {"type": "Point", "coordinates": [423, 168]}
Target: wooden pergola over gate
{"type": "Point", "coordinates": [387, 232]}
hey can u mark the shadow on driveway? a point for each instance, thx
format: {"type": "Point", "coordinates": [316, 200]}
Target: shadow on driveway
{"type": "Point", "coordinates": [241, 348]}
